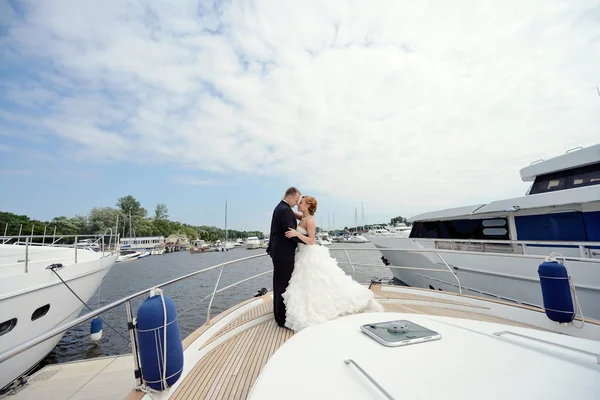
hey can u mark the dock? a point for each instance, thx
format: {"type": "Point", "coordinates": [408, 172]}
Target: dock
{"type": "Point", "coordinates": [99, 378]}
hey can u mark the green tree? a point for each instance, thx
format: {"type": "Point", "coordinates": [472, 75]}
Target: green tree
{"type": "Point", "coordinates": [161, 220]}
{"type": "Point", "coordinates": [143, 226]}
{"type": "Point", "coordinates": [129, 205]}
{"type": "Point", "coordinates": [102, 218]}
{"type": "Point", "coordinates": [399, 219]}
{"type": "Point", "coordinates": [191, 233]}
{"type": "Point", "coordinates": [69, 226]}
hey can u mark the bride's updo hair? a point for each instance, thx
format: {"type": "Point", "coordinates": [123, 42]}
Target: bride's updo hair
{"type": "Point", "coordinates": [311, 203]}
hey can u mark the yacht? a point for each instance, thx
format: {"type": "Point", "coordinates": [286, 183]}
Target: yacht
{"type": "Point", "coordinates": [494, 248]}
{"type": "Point", "coordinates": [252, 243]}
{"type": "Point", "coordinates": [378, 231]}
{"type": "Point", "coordinates": [157, 251]}
{"type": "Point", "coordinates": [400, 229]}
{"type": "Point", "coordinates": [323, 239]}
{"type": "Point", "coordinates": [128, 254]}
{"type": "Point", "coordinates": [34, 300]}
{"type": "Point", "coordinates": [427, 344]}
{"type": "Point", "coordinates": [356, 237]}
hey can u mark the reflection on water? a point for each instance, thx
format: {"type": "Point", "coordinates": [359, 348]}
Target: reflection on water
{"type": "Point", "coordinates": [130, 277]}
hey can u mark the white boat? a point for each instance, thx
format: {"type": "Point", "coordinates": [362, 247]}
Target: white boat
{"type": "Point", "coordinates": [495, 248]}
{"type": "Point", "coordinates": [144, 253]}
{"type": "Point", "coordinates": [33, 300]}
{"type": "Point", "coordinates": [157, 251]}
{"type": "Point", "coordinates": [399, 229]}
{"type": "Point", "coordinates": [378, 231]}
{"type": "Point", "coordinates": [128, 255]}
{"type": "Point", "coordinates": [323, 239]}
{"type": "Point", "coordinates": [252, 243]}
{"type": "Point", "coordinates": [356, 237]}
{"type": "Point", "coordinates": [467, 347]}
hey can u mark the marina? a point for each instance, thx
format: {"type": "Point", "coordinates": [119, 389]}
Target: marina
{"type": "Point", "coordinates": [239, 352]}
{"type": "Point", "coordinates": [208, 200]}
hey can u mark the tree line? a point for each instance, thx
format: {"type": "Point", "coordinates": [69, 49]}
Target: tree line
{"type": "Point", "coordinates": [132, 218]}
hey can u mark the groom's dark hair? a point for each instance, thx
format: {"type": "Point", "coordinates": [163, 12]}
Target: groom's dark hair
{"type": "Point", "coordinates": [291, 192]}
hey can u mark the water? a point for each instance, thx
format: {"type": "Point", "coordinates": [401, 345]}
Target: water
{"type": "Point", "coordinates": [130, 277]}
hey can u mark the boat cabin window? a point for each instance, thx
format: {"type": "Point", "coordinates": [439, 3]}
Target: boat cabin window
{"type": "Point", "coordinates": [478, 229]}
{"type": "Point", "coordinates": [40, 312]}
{"type": "Point", "coordinates": [7, 326]}
{"type": "Point", "coordinates": [569, 179]}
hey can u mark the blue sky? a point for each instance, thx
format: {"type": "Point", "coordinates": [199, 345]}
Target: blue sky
{"type": "Point", "coordinates": [404, 107]}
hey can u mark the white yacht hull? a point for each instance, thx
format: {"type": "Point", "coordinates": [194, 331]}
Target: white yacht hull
{"type": "Point", "coordinates": [22, 294]}
{"type": "Point", "coordinates": [493, 275]}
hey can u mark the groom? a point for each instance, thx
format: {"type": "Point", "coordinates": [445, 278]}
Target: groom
{"type": "Point", "coordinates": [283, 250]}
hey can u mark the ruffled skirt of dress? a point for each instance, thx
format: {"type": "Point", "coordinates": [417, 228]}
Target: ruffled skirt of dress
{"type": "Point", "coordinates": [320, 290]}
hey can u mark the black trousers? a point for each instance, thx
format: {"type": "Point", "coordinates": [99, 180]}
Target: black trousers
{"type": "Point", "coordinates": [282, 273]}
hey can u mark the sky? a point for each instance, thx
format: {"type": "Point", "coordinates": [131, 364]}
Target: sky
{"type": "Point", "coordinates": [397, 107]}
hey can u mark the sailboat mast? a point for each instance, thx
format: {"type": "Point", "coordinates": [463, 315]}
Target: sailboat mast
{"type": "Point", "coordinates": [363, 215]}
{"type": "Point", "coordinates": [225, 220]}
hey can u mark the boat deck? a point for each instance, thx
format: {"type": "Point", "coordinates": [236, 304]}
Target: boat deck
{"type": "Point", "coordinates": [98, 378]}
{"type": "Point", "coordinates": [230, 359]}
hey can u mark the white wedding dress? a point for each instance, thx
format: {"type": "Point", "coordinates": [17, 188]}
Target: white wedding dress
{"type": "Point", "coordinates": [320, 290]}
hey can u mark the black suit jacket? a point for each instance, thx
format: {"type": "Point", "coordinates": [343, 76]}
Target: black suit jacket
{"type": "Point", "coordinates": [281, 248]}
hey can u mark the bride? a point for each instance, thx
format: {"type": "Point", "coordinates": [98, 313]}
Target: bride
{"type": "Point", "coordinates": [319, 290]}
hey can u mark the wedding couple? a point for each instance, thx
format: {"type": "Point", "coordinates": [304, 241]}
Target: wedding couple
{"type": "Point", "coordinates": [308, 286]}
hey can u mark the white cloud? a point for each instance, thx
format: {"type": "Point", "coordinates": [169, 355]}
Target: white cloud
{"type": "Point", "coordinates": [404, 105]}
{"type": "Point", "coordinates": [193, 181]}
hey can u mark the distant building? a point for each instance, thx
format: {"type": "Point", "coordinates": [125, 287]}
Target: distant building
{"type": "Point", "coordinates": [177, 239]}
{"type": "Point", "coordinates": [144, 242]}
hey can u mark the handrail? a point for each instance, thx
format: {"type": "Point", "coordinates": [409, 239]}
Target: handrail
{"type": "Point", "coordinates": [491, 241]}
{"type": "Point", "coordinates": [573, 149]}
{"type": "Point", "coordinates": [562, 346]}
{"type": "Point", "coordinates": [369, 377]}
{"type": "Point", "coordinates": [450, 269]}
{"type": "Point", "coordinates": [60, 329]}
{"type": "Point", "coordinates": [533, 256]}
{"type": "Point", "coordinates": [213, 297]}
{"type": "Point", "coordinates": [62, 236]}
{"type": "Point", "coordinates": [352, 265]}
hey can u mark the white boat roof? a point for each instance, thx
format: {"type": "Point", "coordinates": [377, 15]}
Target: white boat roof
{"type": "Point", "coordinates": [469, 361]}
{"type": "Point", "coordinates": [446, 213]}
{"type": "Point", "coordinates": [584, 194]}
{"type": "Point", "coordinates": [572, 159]}
{"type": "Point", "coordinates": [580, 195]}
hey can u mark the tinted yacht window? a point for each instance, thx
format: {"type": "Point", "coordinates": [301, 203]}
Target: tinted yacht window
{"type": "Point", "coordinates": [478, 229]}
{"type": "Point", "coordinates": [569, 179]}
{"type": "Point", "coordinates": [585, 176]}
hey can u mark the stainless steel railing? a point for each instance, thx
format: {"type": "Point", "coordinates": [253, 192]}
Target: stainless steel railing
{"type": "Point", "coordinates": [30, 241]}
{"type": "Point", "coordinates": [125, 300]}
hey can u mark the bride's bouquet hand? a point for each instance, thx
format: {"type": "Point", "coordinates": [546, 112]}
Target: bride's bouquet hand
{"type": "Point", "coordinates": [291, 233]}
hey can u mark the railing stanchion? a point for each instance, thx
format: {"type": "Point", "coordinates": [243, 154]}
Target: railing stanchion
{"type": "Point", "coordinates": [213, 297]}
{"type": "Point", "coordinates": [134, 346]}
{"type": "Point", "coordinates": [26, 255]}
{"type": "Point", "coordinates": [75, 249]}
{"type": "Point", "coordinates": [352, 265]}
{"type": "Point", "coordinates": [452, 272]}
